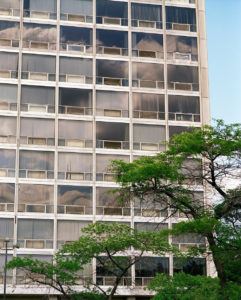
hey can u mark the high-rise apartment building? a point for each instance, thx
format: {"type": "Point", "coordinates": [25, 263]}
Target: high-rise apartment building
{"type": "Point", "coordinates": [83, 82]}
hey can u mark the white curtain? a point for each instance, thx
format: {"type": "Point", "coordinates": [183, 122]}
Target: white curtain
{"type": "Point", "coordinates": [70, 230]}
{"type": "Point", "coordinates": [8, 126]}
{"type": "Point", "coordinates": [148, 133]}
{"type": "Point", "coordinates": [6, 228]}
{"type": "Point", "coordinates": [9, 61]}
{"type": "Point", "coordinates": [37, 95]}
{"type": "Point", "coordinates": [146, 12]}
{"type": "Point", "coordinates": [37, 128]}
{"type": "Point", "coordinates": [77, 7]}
{"type": "Point", "coordinates": [112, 100]}
{"type": "Point", "coordinates": [35, 229]}
{"type": "Point", "coordinates": [76, 66]}
{"type": "Point", "coordinates": [148, 102]}
{"type": "Point", "coordinates": [75, 162]}
{"type": "Point", "coordinates": [8, 92]}
{"type": "Point", "coordinates": [42, 5]}
{"type": "Point", "coordinates": [75, 129]}
{"type": "Point", "coordinates": [7, 159]}
{"type": "Point", "coordinates": [184, 104]}
{"type": "Point", "coordinates": [38, 63]}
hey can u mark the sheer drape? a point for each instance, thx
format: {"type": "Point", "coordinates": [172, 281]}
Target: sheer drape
{"type": "Point", "coordinates": [148, 133]}
{"type": "Point", "coordinates": [148, 102]}
{"type": "Point", "coordinates": [8, 61]}
{"type": "Point", "coordinates": [75, 130]}
{"type": "Point", "coordinates": [181, 15]}
{"type": "Point", "coordinates": [147, 71]}
{"type": "Point", "coordinates": [36, 160]}
{"type": "Point", "coordinates": [7, 158]}
{"type": "Point", "coordinates": [41, 5]}
{"type": "Point", "coordinates": [6, 228]}
{"type": "Point", "coordinates": [75, 162]}
{"type": "Point", "coordinates": [70, 230]}
{"type": "Point", "coordinates": [8, 126]}
{"type": "Point", "coordinates": [146, 12]}
{"type": "Point", "coordinates": [37, 128]}
{"type": "Point", "coordinates": [7, 192]}
{"type": "Point", "coordinates": [38, 63]}
{"type": "Point", "coordinates": [35, 229]}
{"type": "Point", "coordinates": [103, 162]}
{"type": "Point", "coordinates": [75, 66]}
{"type": "Point", "coordinates": [8, 92]}
{"type": "Point", "coordinates": [77, 7]}
{"type": "Point", "coordinates": [184, 74]}
{"type": "Point", "coordinates": [37, 95]}
{"type": "Point", "coordinates": [184, 104]}
{"type": "Point", "coordinates": [112, 100]}
{"type": "Point", "coordinates": [10, 4]}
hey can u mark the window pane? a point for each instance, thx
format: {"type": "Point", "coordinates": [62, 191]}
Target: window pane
{"type": "Point", "coordinates": [7, 163]}
{"type": "Point", "coordinates": [193, 266]}
{"type": "Point", "coordinates": [8, 130]}
{"type": "Point", "coordinates": [111, 12]}
{"type": "Point", "coordinates": [6, 230]}
{"type": "Point", "coordinates": [7, 193]}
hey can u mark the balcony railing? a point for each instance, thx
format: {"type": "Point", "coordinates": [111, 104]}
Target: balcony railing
{"type": "Point", "coordinates": [75, 110]}
{"type": "Point", "coordinates": [144, 146]}
{"type": "Point", "coordinates": [142, 114]}
{"type": "Point", "coordinates": [77, 79]}
{"type": "Point", "coordinates": [5, 105]}
{"type": "Point", "coordinates": [150, 212]}
{"type": "Point", "coordinates": [39, 141]}
{"type": "Point", "coordinates": [143, 281]}
{"type": "Point", "coordinates": [181, 27]}
{"type": "Point", "coordinates": [112, 211]}
{"type": "Point", "coordinates": [40, 46]}
{"type": "Point", "coordinates": [36, 243]}
{"type": "Point", "coordinates": [147, 53]}
{"type": "Point", "coordinates": [185, 247]}
{"type": "Point", "coordinates": [146, 24]}
{"type": "Point", "coordinates": [8, 74]}
{"type": "Point", "coordinates": [109, 280]}
{"type": "Point", "coordinates": [7, 172]}
{"type": "Point", "coordinates": [112, 51]}
{"type": "Point", "coordinates": [38, 76]}
{"type": "Point", "coordinates": [77, 176]}
{"type": "Point", "coordinates": [79, 143]}
{"type": "Point", "coordinates": [39, 14]}
{"type": "Point", "coordinates": [178, 56]}
{"type": "Point", "coordinates": [181, 1]}
{"type": "Point", "coordinates": [114, 113]}
{"type": "Point", "coordinates": [77, 48]}
{"type": "Point", "coordinates": [9, 43]}
{"type": "Point", "coordinates": [36, 208]}
{"type": "Point", "coordinates": [150, 84]}
{"type": "Point", "coordinates": [75, 209]}
{"type": "Point", "coordinates": [36, 174]}
{"type": "Point", "coordinates": [76, 18]}
{"type": "Point", "coordinates": [183, 86]}
{"type": "Point", "coordinates": [7, 207]}
{"type": "Point", "coordinates": [188, 117]}
{"type": "Point", "coordinates": [8, 139]}
{"type": "Point", "coordinates": [39, 108]}
{"type": "Point", "coordinates": [108, 144]}
{"type": "Point", "coordinates": [112, 81]}
{"type": "Point", "coordinates": [112, 21]}
{"type": "Point", "coordinates": [9, 12]}
{"type": "Point", "coordinates": [103, 176]}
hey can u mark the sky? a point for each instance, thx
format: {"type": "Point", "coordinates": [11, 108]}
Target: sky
{"type": "Point", "coordinates": [224, 53]}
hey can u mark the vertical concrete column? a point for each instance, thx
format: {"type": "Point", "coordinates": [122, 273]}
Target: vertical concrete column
{"type": "Point", "coordinates": [203, 62]}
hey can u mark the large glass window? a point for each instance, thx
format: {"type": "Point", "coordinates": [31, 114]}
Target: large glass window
{"type": "Point", "coordinates": [112, 104]}
{"type": "Point", "coordinates": [181, 18]}
{"type": "Point", "coordinates": [184, 108]}
{"type": "Point", "coordinates": [193, 266]}
{"type": "Point", "coordinates": [37, 132]}
{"type": "Point", "coordinates": [69, 231]}
{"type": "Point", "coordinates": [10, 8]}
{"type": "Point", "coordinates": [36, 198]}
{"type": "Point", "coordinates": [7, 163]}
{"type": "Point", "coordinates": [75, 134]}
{"type": "Point", "coordinates": [8, 65]}
{"type": "Point", "coordinates": [75, 70]}
{"type": "Point", "coordinates": [182, 48]}
{"type": "Point", "coordinates": [112, 135]}
{"type": "Point", "coordinates": [8, 130]}
{"type": "Point", "coordinates": [147, 267]}
{"type": "Point", "coordinates": [9, 33]}
{"type": "Point", "coordinates": [103, 166]}
{"type": "Point", "coordinates": [2, 265]}
{"type": "Point", "coordinates": [75, 166]}
{"type": "Point", "coordinates": [108, 204]}
{"type": "Point", "coordinates": [36, 234]}
{"type": "Point", "coordinates": [45, 9]}
{"type": "Point", "coordinates": [146, 15]}
{"type": "Point", "coordinates": [38, 99]}
{"type": "Point", "coordinates": [7, 192]}
{"type": "Point", "coordinates": [75, 200]}
{"type": "Point", "coordinates": [112, 42]}
{"type": "Point", "coordinates": [8, 96]}
{"type": "Point", "coordinates": [36, 164]}
{"type": "Point", "coordinates": [75, 101]}
{"type": "Point", "coordinates": [149, 137]}
{"type": "Point", "coordinates": [111, 12]}
{"type": "Point", "coordinates": [6, 230]}
{"type": "Point", "coordinates": [38, 67]}
{"type": "Point", "coordinates": [39, 36]}
{"type": "Point", "coordinates": [75, 39]}
{"type": "Point", "coordinates": [147, 45]}
{"type": "Point", "coordinates": [146, 75]}
{"type": "Point", "coordinates": [183, 78]}
{"type": "Point", "coordinates": [112, 72]}
{"type": "Point", "coordinates": [148, 106]}
{"type": "Point", "coordinates": [76, 10]}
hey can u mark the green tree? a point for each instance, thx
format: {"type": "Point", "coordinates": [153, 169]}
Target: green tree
{"type": "Point", "coordinates": [210, 156]}
{"type": "Point", "coordinates": [115, 247]}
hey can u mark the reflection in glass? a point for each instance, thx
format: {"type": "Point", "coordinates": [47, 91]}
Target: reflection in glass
{"type": "Point", "coordinates": [37, 132]}
{"type": "Point", "coordinates": [76, 11]}
{"type": "Point", "coordinates": [146, 15]}
{"type": "Point", "coordinates": [38, 99]}
{"type": "Point", "coordinates": [36, 198]}
{"type": "Point", "coordinates": [8, 96]}
{"type": "Point", "coordinates": [112, 135]}
{"type": "Point", "coordinates": [10, 7]}
{"type": "Point", "coordinates": [36, 234]}
{"type": "Point", "coordinates": [7, 163]}
{"type": "Point", "coordinates": [8, 130]}
{"type": "Point", "coordinates": [112, 72]}
{"type": "Point", "coordinates": [36, 164]}
{"type": "Point", "coordinates": [75, 166]}
{"type": "Point", "coordinates": [75, 101]}
{"type": "Point", "coordinates": [146, 75]}
{"type": "Point", "coordinates": [173, 130]}
{"type": "Point", "coordinates": [148, 106]}
{"type": "Point", "coordinates": [39, 36]}
{"type": "Point", "coordinates": [184, 108]}
{"type": "Point", "coordinates": [75, 134]}
{"type": "Point", "coordinates": [6, 230]}
{"type": "Point", "coordinates": [182, 48]}
{"type": "Point", "coordinates": [9, 34]}
{"type": "Point", "coordinates": [112, 104]}
{"type": "Point", "coordinates": [40, 9]}
{"type": "Point", "coordinates": [192, 266]}
{"type": "Point", "coordinates": [7, 193]}
{"type": "Point", "coordinates": [181, 18]}
{"type": "Point", "coordinates": [8, 65]}
{"type": "Point", "coordinates": [75, 200]}
{"type": "Point", "coordinates": [147, 45]}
